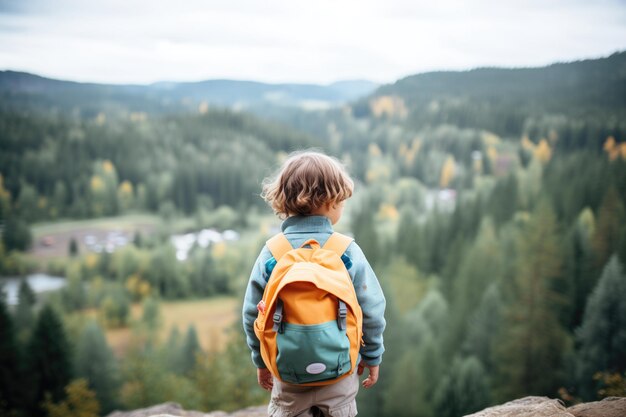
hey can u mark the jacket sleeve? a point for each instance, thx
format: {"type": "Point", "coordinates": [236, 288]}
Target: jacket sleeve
{"type": "Point", "coordinates": [372, 301]}
{"type": "Point", "coordinates": [254, 294]}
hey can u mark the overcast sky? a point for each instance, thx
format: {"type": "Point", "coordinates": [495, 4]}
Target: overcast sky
{"type": "Point", "coordinates": [316, 41]}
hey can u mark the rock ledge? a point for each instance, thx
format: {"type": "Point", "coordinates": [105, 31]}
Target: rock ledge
{"type": "Point", "coordinates": [523, 407]}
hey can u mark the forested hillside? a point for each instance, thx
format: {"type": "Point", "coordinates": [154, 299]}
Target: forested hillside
{"type": "Point", "coordinates": [491, 204]}
{"type": "Point", "coordinates": [26, 91]}
{"type": "Point", "coordinates": [576, 99]}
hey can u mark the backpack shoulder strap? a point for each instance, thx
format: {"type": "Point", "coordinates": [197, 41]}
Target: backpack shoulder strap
{"type": "Point", "coordinates": [338, 243]}
{"type": "Point", "coordinates": [278, 246]}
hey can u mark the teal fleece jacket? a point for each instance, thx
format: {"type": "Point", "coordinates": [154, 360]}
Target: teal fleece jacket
{"type": "Point", "coordinates": [298, 229]}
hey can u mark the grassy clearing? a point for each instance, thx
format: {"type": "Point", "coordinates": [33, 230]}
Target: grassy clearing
{"type": "Point", "coordinates": [106, 223]}
{"type": "Point", "coordinates": [212, 317]}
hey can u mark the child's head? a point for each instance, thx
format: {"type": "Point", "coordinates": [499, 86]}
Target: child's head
{"type": "Point", "coordinates": [307, 183]}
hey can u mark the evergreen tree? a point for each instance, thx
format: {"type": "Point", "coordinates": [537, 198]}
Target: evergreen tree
{"type": "Point", "coordinates": [611, 221]}
{"type": "Point", "coordinates": [411, 391]}
{"type": "Point", "coordinates": [189, 350]}
{"type": "Point", "coordinates": [74, 294]}
{"type": "Point", "coordinates": [433, 310]}
{"type": "Point", "coordinates": [482, 327]}
{"type": "Point", "coordinates": [173, 348]}
{"type": "Point", "coordinates": [148, 382]}
{"type": "Point", "coordinates": [49, 361]}
{"type": "Point", "coordinates": [24, 316]}
{"type": "Point", "coordinates": [532, 339]}
{"type": "Point", "coordinates": [602, 336]}
{"type": "Point", "coordinates": [116, 307]}
{"type": "Point", "coordinates": [73, 247]}
{"type": "Point", "coordinates": [464, 390]}
{"type": "Point", "coordinates": [205, 278]}
{"type": "Point", "coordinates": [482, 265]}
{"type": "Point", "coordinates": [95, 362]}
{"type": "Point", "coordinates": [435, 242]}
{"type": "Point", "coordinates": [399, 334]}
{"type": "Point", "coordinates": [408, 236]}
{"type": "Point", "coordinates": [579, 268]}
{"type": "Point", "coordinates": [10, 378]}
{"type": "Point", "coordinates": [151, 314]}
{"type": "Point", "coordinates": [165, 275]}
{"type": "Point", "coordinates": [138, 239]}
{"type": "Point", "coordinates": [503, 200]}
{"type": "Point", "coordinates": [16, 234]}
{"type": "Point", "coordinates": [363, 227]}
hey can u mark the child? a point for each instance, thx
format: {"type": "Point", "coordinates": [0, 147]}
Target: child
{"type": "Point", "coordinates": [309, 192]}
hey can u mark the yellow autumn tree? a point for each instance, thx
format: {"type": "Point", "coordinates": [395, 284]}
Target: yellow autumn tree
{"type": "Point", "coordinates": [388, 212]}
{"type": "Point", "coordinates": [447, 172]}
{"type": "Point", "coordinates": [528, 144]}
{"type": "Point", "coordinates": [97, 195]}
{"type": "Point", "coordinates": [374, 150]}
{"type": "Point", "coordinates": [609, 144]}
{"type": "Point", "coordinates": [138, 287]}
{"type": "Point", "coordinates": [542, 152]}
{"type": "Point", "coordinates": [5, 199]}
{"type": "Point", "coordinates": [614, 150]}
{"type": "Point", "coordinates": [103, 189]}
{"type": "Point", "coordinates": [390, 106]}
{"type": "Point", "coordinates": [80, 402]}
{"type": "Point", "coordinates": [410, 152]}
{"type": "Point", "coordinates": [125, 195]}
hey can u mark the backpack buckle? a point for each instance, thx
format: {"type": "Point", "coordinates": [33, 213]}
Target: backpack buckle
{"type": "Point", "coordinates": [342, 314]}
{"type": "Point", "coordinates": [278, 317]}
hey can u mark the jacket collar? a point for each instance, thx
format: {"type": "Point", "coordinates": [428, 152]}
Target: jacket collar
{"type": "Point", "coordinates": [307, 224]}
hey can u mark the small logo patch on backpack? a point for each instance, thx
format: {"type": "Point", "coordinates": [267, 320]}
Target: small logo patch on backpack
{"type": "Point", "coordinates": [316, 368]}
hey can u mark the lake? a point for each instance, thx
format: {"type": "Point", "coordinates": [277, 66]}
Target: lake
{"type": "Point", "coordinates": [40, 283]}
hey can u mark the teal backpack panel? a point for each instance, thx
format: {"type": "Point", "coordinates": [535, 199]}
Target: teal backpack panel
{"type": "Point", "coordinates": [312, 353]}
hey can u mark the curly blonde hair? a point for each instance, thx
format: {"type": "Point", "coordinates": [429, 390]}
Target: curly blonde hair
{"type": "Point", "coordinates": [306, 181]}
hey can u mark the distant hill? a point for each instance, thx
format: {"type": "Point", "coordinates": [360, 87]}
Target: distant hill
{"type": "Point", "coordinates": [18, 88]}
{"type": "Point", "coordinates": [502, 99]}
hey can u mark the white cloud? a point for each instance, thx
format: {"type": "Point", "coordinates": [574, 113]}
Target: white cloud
{"type": "Point", "coordinates": [283, 41]}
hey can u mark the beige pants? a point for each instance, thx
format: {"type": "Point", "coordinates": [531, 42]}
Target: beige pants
{"type": "Point", "coordinates": [336, 400]}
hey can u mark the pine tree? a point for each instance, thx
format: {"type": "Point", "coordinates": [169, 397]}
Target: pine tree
{"type": "Point", "coordinates": [464, 390]}
{"type": "Point", "coordinates": [10, 378]}
{"type": "Point", "coordinates": [363, 227]}
{"type": "Point", "coordinates": [415, 376]}
{"type": "Point", "coordinates": [408, 236]}
{"type": "Point", "coordinates": [49, 361]}
{"type": "Point", "coordinates": [482, 265]}
{"type": "Point", "coordinates": [116, 307]}
{"type": "Point", "coordinates": [532, 339]}
{"type": "Point", "coordinates": [151, 314]}
{"type": "Point", "coordinates": [73, 247]}
{"type": "Point", "coordinates": [579, 268]}
{"type": "Point", "coordinates": [172, 350]}
{"type": "Point", "coordinates": [95, 362]}
{"type": "Point", "coordinates": [24, 316]}
{"type": "Point", "coordinates": [148, 382]}
{"type": "Point", "coordinates": [602, 336]}
{"type": "Point", "coordinates": [16, 234]}
{"type": "Point", "coordinates": [189, 350]}
{"type": "Point", "coordinates": [483, 325]}
{"type": "Point", "coordinates": [503, 200]}
{"type": "Point", "coordinates": [610, 222]}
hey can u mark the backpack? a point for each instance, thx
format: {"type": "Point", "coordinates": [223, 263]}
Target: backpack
{"type": "Point", "coordinates": [310, 330]}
